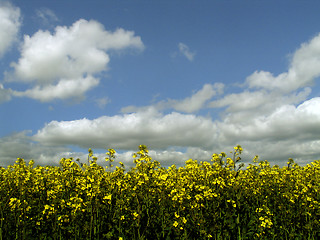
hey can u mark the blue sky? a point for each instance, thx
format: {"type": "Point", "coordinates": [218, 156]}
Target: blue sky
{"type": "Point", "coordinates": [186, 78]}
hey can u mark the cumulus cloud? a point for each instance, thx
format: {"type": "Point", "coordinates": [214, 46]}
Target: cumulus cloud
{"type": "Point", "coordinates": [191, 104]}
{"type": "Point", "coordinates": [64, 89]}
{"type": "Point", "coordinates": [273, 116]}
{"type": "Point", "coordinates": [304, 69]}
{"type": "Point", "coordinates": [185, 51]}
{"type": "Point", "coordinates": [71, 56]}
{"type": "Point", "coordinates": [247, 105]}
{"type": "Point", "coordinates": [10, 22]}
{"type": "Point", "coordinates": [287, 121]}
{"type": "Point", "coordinates": [21, 145]}
{"type": "Point", "coordinates": [197, 101]}
{"type": "Point", "coordinates": [128, 131]}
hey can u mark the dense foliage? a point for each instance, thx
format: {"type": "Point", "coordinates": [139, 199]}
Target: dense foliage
{"type": "Point", "coordinates": [202, 200]}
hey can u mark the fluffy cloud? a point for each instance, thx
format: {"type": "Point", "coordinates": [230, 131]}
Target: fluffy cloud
{"type": "Point", "coordinates": [197, 101]}
{"type": "Point", "coordinates": [287, 121]}
{"type": "Point", "coordinates": [9, 26]}
{"type": "Point", "coordinates": [304, 68]}
{"type": "Point", "coordinates": [247, 105]}
{"type": "Point", "coordinates": [71, 56]}
{"type": "Point", "coordinates": [65, 88]}
{"type": "Point", "coordinates": [20, 145]}
{"type": "Point", "coordinates": [273, 116]}
{"type": "Point", "coordinates": [130, 130]}
{"type": "Point", "coordinates": [191, 104]}
{"type": "Point", "coordinates": [290, 131]}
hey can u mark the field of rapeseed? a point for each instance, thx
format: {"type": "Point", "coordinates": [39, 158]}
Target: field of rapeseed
{"type": "Point", "coordinates": [218, 199]}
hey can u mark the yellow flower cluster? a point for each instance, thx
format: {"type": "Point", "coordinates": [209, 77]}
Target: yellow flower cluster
{"type": "Point", "coordinates": [215, 199]}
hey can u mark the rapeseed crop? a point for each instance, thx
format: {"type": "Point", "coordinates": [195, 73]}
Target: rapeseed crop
{"type": "Point", "coordinates": [216, 199]}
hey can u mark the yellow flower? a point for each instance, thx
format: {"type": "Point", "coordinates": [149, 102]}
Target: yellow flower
{"type": "Point", "coordinates": [135, 215]}
{"type": "Point", "coordinates": [107, 197]}
{"type": "Point", "coordinates": [184, 220]}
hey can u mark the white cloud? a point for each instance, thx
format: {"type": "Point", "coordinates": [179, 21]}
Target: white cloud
{"type": "Point", "coordinates": [130, 130]}
{"type": "Point", "coordinates": [185, 51]}
{"type": "Point", "coordinates": [290, 131]}
{"type": "Point", "coordinates": [273, 122]}
{"type": "Point", "coordinates": [70, 56]}
{"type": "Point", "coordinates": [20, 145]}
{"type": "Point", "coordinates": [64, 89]}
{"type": "Point", "coordinates": [10, 22]}
{"type": "Point", "coordinates": [286, 121]}
{"type": "Point", "coordinates": [274, 117]}
{"type": "Point", "coordinates": [191, 104]}
{"type": "Point", "coordinates": [197, 101]}
{"type": "Point", "coordinates": [250, 104]}
{"type": "Point", "coordinates": [304, 69]}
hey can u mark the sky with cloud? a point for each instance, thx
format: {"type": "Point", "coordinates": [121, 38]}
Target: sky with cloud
{"type": "Point", "coordinates": [187, 79]}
